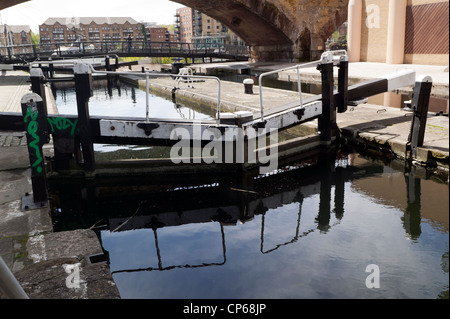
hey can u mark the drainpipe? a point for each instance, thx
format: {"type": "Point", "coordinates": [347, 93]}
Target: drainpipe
{"type": "Point", "coordinates": [354, 30]}
{"type": "Point", "coordinates": [9, 284]}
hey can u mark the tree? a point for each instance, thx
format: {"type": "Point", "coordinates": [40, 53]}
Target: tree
{"type": "Point", "coordinates": [35, 39]}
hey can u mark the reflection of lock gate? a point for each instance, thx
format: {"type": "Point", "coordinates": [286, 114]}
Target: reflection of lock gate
{"type": "Point", "coordinates": [229, 215]}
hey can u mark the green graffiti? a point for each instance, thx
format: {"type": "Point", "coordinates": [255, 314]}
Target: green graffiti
{"type": "Point", "coordinates": [62, 124]}
{"type": "Point", "coordinates": [32, 129]}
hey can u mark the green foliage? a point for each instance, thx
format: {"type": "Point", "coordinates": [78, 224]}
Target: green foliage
{"type": "Point", "coordinates": [35, 38]}
{"type": "Point", "coordinates": [130, 59]}
{"type": "Point", "coordinates": [335, 36]}
{"type": "Point", "coordinates": [169, 27]}
{"type": "Point", "coordinates": [162, 60]}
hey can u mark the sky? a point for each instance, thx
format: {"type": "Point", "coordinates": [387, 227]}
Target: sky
{"type": "Point", "coordinates": [35, 12]}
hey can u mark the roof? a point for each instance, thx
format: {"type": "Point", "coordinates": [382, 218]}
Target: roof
{"type": "Point", "coordinates": [15, 28]}
{"type": "Point", "coordinates": [76, 21]}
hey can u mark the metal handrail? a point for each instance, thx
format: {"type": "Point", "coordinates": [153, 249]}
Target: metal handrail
{"type": "Point", "coordinates": [148, 74]}
{"type": "Point", "coordinates": [296, 67]}
{"type": "Point", "coordinates": [69, 60]}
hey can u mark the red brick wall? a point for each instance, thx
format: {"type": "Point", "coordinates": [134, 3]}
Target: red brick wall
{"type": "Point", "coordinates": [427, 29]}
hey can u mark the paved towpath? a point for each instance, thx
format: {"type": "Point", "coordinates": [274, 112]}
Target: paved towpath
{"type": "Point", "coordinates": [13, 86]}
{"type": "Point", "coordinates": [358, 71]}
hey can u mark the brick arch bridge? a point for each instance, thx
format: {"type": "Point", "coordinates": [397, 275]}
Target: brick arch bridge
{"type": "Point", "coordinates": [277, 30]}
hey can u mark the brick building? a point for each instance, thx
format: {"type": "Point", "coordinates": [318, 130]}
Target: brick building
{"type": "Point", "coordinates": [193, 26]}
{"type": "Point", "coordinates": [14, 35]}
{"type": "Point", "coordinates": [184, 24]}
{"type": "Point", "coordinates": [55, 30]}
{"type": "Point", "coordinates": [160, 34]}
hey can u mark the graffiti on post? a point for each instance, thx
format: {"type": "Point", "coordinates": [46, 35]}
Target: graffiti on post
{"type": "Point", "coordinates": [32, 129]}
{"type": "Point", "coordinates": [58, 124]}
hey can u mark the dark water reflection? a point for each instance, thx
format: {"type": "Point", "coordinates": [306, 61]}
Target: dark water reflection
{"type": "Point", "coordinates": [302, 233]}
{"type": "Point", "coordinates": [305, 232]}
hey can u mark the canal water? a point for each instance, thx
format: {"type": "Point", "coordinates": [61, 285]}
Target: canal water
{"type": "Point", "coordinates": [361, 228]}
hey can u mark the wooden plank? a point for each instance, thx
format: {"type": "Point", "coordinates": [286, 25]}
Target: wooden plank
{"type": "Point", "coordinates": [166, 130]}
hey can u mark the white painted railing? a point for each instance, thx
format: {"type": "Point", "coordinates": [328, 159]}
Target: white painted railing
{"type": "Point", "coordinates": [326, 56]}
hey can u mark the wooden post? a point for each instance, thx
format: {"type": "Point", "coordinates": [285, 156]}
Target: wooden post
{"type": "Point", "coordinates": [35, 121]}
{"type": "Point", "coordinates": [83, 89]}
{"type": "Point", "coordinates": [37, 80]}
{"type": "Point", "coordinates": [107, 64]}
{"type": "Point", "coordinates": [51, 72]}
{"type": "Point", "coordinates": [420, 103]}
{"type": "Point", "coordinates": [342, 99]}
{"type": "Point", "coordinates": [327, 121]}
{"type": "Point", "coordinates": [9, 54]}
{"type": "Point", "coordinates": [34, 51]}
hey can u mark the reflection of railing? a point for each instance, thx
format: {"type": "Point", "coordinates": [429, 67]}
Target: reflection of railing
{"type": "Point", "coordinates": [293, 240]}
{"type": "Point", "coordinates": [161, 268]}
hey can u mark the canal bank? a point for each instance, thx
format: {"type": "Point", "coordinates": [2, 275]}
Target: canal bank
{"type": "Point", "coordinates": [39, 258]}
{"type": "Point", "coordinates": [46, 264]}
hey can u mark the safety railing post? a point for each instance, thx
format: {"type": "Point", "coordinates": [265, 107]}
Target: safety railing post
{"type": "Point", "coordinates": [147, 98]}
{"type": "Point", "coordinates": [299, 86]}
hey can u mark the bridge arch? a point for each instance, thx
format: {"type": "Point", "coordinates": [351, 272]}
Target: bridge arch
{"type": "Point", "coordinates": [277, 30]}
